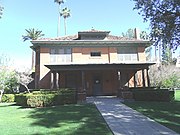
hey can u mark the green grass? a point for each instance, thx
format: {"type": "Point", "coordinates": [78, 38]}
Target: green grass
{"type": "Point", "coordinates": [61, 120]}
{"type": "Point", "coordinates": [165, 113]}
{"type": "Point", "coordinates": [177, 95]}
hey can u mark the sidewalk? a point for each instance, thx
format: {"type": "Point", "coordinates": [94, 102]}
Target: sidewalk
{"type": "Point", "coordinates": [123, 120]}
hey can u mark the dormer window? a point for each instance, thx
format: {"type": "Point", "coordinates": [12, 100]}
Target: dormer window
{"type": "Point", "coordinates": [95, 54]}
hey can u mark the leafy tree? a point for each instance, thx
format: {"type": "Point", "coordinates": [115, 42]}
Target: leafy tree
{"type": "Point", "coordinates": [8, 81]}
{"type": "Point", "coordinates": [165, 76]}
{"type": "Point", "coordinates": [5, 61]}
{"type": "Point", "coordinates": [8, 78]}
{"type": "Point", "coordinates": [32, 34]}
{"type": "Point", "coordinates": [167, 56]}
{"type": "Point", "coordinates": [144, 36]}
{"type": "Point", "coordinates": [65, 13]}
{"type": "Point", "coordinates": [164, 17]}
{"type": "Point", "coordinates": [148, 53]}
{"type": "Point", "coordinates": [3, 78]}
{"type": "Point", "coordinates": [129, 33]}
{"type": "Point", "coordinates": [1, 9]}
{"type": "Point", "coordinates": [59, 2]}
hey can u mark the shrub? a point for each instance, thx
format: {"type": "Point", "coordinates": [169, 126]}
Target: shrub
{"type": "Point", "coordinates": [41, 100]}
{"type": "Point", "coordinates": [8, 98]}
{"type": "Point", "coordinates": [47, 98]}
{"type": "Point", "coordinates": [153, 95]}
{"type": "Point", "coordinates": [21, 99]}
{"type": "Point", "coordinates": [172, 82]}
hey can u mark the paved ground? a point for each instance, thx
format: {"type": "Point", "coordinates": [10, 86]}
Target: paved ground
{"type": "Point", "coordinates": [123, 120]}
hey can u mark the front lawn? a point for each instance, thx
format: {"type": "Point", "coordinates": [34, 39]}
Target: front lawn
{"type": "Point", "coordinates": [61, 120]}
{"type": "Point", "coordinates": [165, 113]}
{"type": "Point", "coordinates": [177, 95]}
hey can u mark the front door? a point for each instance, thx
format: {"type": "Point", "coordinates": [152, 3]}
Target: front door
{"type": "Point", "coordinates": [97, 84]}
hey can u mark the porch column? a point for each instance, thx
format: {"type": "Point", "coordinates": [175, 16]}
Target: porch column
{"type": "Point", "coordinates": [54, 80]}
{"type": "Point", "coordinates": [148, 80]}
{"type": "Point", "coordinates": [135, 84]}
{"type": "Point", "coordinates": [52, 83]}
{"type": "Point", "coordinates": [143, 78]}
{"type": "Point", "coordinates": [119, 79]}
{"type": "Point", "coordinates": [57, 80]}
{"type": "Point", "coordinates": [83, 81]}
{"type": "Point", "coordinates": [128, 78]}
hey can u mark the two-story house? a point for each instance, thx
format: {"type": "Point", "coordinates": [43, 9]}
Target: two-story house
{"type": "Point", "coordinates": [93, 61]}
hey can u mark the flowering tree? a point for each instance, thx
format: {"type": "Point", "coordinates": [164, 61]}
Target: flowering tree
{"type": "Point", "coordinates": [24, 78]}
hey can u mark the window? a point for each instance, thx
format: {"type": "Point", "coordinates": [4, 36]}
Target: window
{"type": "Point", "coordinates": [95, 54]}
{"type": "Point", "coordinates": [59, 55]}
{"type": "Point", "coordinates": [127, 54]}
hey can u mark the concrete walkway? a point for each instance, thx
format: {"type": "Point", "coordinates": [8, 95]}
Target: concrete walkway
{"type": "Point", "coordinates": [123, 120]}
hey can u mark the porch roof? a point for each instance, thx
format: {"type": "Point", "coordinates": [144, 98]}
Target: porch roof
{"type": "Point", "coordinates": [106, 66]}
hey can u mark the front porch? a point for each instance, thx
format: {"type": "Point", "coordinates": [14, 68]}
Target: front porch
{"type": "Point", "coordinates": [99, 79]}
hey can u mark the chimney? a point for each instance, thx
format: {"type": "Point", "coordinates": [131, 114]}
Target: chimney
{"type": "Point", "coordinates": [137, 34]}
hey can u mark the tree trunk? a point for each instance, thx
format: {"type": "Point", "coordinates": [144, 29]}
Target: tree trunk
{"type": "Point", "coordinates": [1, 94]}
{"type": "Point", "coordinates": [65, 25]}
{"type": "Point", "coordinates": [58, 30]}
{"type": "Point", "coordinates": [27, 88]}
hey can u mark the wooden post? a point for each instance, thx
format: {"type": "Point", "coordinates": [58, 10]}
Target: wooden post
{"type": "Point", "coordinates": [128, 79]}
{"type": "Point", "coordinates": [119, 78]}
{"type": "Point", "coordinates": [148, 80]}
{"type": "Point", "coordinates": [52, 83]}
{"type": "Point", "coordinates": [143, 78]}
{"type": "Point", "coordinates": [57, 80]}
{"type": "Point", "coordinates": [83, 81]}
{"type": "Point", "coordinates": [135, 84]}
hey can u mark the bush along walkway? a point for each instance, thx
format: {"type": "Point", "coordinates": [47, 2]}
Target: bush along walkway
{"type": "Point", "coordinates": [123, 120]}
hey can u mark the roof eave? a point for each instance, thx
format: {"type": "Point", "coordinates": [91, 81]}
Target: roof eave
{"type": "Point", "coordinates": [90, 43]}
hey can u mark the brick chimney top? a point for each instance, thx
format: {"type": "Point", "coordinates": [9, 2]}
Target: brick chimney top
{"type": "Point", "coordinates": [137, 33]}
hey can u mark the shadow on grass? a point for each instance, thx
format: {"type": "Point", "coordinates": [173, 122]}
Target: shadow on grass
{"type": "Point", "coordinates": [70, 119]}
{"type": "Point", "coordinates": [165, 113]}
{"type": "Point", "coordinates": [7, 104]}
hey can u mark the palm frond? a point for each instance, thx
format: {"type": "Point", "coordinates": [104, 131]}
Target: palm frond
{"type": "Point", "coordinates": [59, 1]}
{"type": "Point", "coordinates": [32, 34]}
{"type": "Point", "coordinates": [65, 12]}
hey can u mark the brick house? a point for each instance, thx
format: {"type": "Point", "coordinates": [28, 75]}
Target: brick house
{"type": "Point", "coordinates": [91, 61]}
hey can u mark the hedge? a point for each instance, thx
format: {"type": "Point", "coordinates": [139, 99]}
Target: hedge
{"type": "Point", "coordinates": [46, 98]}
{"type": "Point", "coordinates": [153, 95]}
{"type": "Point", "coordinates": [8, 98]}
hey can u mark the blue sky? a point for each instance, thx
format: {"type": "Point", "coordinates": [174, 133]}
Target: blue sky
{"type": "Point", "coordinates": [116, 16]}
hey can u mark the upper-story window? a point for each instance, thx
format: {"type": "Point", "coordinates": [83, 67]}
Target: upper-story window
{"type": "Point", "coordinates": [59, 55]}
{"type": "Point", "coordinates": [126, 54]}
{"type": "Point", "coordinates": [95, 54]}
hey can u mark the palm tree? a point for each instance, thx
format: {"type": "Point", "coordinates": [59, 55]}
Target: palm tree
{"type": "Point", "coordinates": [59, 2]}
{"type": "Point", "coordinates": [32, 34]}
{"type": "Point", "coordinates": [65, 13]}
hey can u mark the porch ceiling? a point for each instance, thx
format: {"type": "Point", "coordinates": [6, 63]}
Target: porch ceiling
{"type": "Point", "coordinates": [109, 66]}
